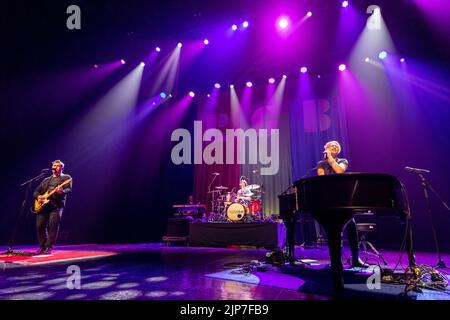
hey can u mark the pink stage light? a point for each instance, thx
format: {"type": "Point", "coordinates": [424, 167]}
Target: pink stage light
{"type": "Point", "coordinates": [122, 61]}
{"type": "Point", "coordinates": [303, 69]}
{"type": "Point", "coordinates": [283, 23]}
{"type": "Point", "coordinates": [245, 24]}
{"type": "Point", "coordinates": [158, 49]}
{"type": "Point", "coordinates": [249, 84]}
{"type": "Point", "coordinates": [309, 14]}
{"type": "Point", "coordinates": [191, 94]}
{"type": "Point", "coordinates": [234, 27]}
{"type": "Point", "coordinates": [206, 42]}
{"type": "Point", "coordinates": [271, 80]}
{"type": "Point", "coordinates": [344, 4]}
{"type": "Point", "coordinates": [342, 67]}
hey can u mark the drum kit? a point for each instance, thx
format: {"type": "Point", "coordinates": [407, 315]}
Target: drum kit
{"type": "Point", "coordinates": [246, 204]}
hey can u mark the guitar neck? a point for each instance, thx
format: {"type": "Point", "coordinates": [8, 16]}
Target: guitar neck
{"type": "Point", "coordinates": [61, 185]}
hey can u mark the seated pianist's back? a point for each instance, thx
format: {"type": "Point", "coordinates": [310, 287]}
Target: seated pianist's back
{"type": "Point", "coordinates": [333, 200]}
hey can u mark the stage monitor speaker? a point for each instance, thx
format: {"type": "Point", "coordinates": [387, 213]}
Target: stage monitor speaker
{"type": "Point", "coordinates": [178, 227]}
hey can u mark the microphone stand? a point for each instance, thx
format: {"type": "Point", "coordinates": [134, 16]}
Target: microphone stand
{"type": "Point", "coordinates": [212, 195]}
{"type": "Point", "coordinates": [27, 184]}
{"type": "Point", "coordinates": [426, 188]}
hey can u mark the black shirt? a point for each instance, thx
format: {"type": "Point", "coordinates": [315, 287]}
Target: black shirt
{"type": "Point", "coordinates": [50, 183]}
{"type": "Point", "coordinates": [323, 164]}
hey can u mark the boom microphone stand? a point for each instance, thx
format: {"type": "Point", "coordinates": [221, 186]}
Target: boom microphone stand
{"type": "Point", "coordinates": [426, 188]}
{"type": "Point", "coordinates": [27, 185]}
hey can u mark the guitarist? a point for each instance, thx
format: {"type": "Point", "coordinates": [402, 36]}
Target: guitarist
{"type": "Point", "coordinates": [48, 220]}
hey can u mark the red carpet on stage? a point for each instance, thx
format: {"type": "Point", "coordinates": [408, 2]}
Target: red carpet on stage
{"type": "Point", "coordinates": [55, 257]}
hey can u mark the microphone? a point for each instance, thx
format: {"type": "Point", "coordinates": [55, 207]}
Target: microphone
{"type": "Point", "coordinates": [417, 170]}
{"type": "Point", "coordinates": [216, 174]}
{"type": "Point", "coordinates": [46, 170]}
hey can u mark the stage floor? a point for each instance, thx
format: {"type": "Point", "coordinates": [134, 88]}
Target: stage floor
{"type": "Point", "coordinates": [154, 271]}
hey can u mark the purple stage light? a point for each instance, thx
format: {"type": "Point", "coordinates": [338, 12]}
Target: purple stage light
{"type": "Point", "coordinates": [402, 60]}
{"type": "Point", "coordinates": [191, 94]}
{"type": "Point", "coordinates": [245, 24]}
{"type": "Point", "coordinates": [342, 67]}
{"type": "Point", "coordinates": [158, 49]}
{"type": "Point", "coordinates": [163, 95]}
{"type": "Point", "coordinates": [208, 95]}
{"type": "Point", "coordinates": [231, 86]}
{"type": "Point", "coordinates": [344, 4]}
{"type": "Point", "coordinates": [95, 66]}
{"type": "Point", "coordinates": [142, 64]}
{"type": "Point", "coordinates": [309, 14]}
{"type": "Point", "coordinates": [234, 27]}
{"type": "Point", "coordinates": [303, 69]}
{"type": "Point", "coordinates": [179, 45]}
{"type": "Point", "coordinates": [382, 55]}
{"type": "Point", "coordinates": [122, 61]}
{"type": "Point", "coordinates": [367, 59]}
{"type": "Point", "coordinates": [249, 84]}
{"type": "Point", "coordinates": [271, 80]}
{"type": "Point", "coordinates": [206, 42]}
{"type": "Point", "coordinates": [217, 85]}
{"type": "Point", "coordinates": [283, 23]}
{"type": "Point", "coordinates": [284, 76]}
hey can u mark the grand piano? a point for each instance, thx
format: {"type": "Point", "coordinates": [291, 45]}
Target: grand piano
{"type": "Point", "coordinates": [333, 200]}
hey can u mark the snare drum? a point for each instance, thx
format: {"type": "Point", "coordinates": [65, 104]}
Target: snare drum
{"type": "Point", "coordinates": [236, 212]}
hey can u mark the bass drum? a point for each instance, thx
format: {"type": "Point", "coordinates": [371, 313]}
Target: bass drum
{"type": "Point", "coordinates": [236, 212]}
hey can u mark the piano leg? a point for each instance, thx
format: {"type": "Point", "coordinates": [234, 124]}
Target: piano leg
{"type": "Point", "coordinates": [334, 235]}
{"type": "Point", "coordinates": [290, 229]}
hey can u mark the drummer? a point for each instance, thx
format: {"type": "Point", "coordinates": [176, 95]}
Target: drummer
{"type": "Point", "coordinates": [244, 195]}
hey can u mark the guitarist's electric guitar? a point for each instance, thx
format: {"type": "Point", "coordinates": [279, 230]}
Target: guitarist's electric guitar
{"type": "Point", "coordinates": [41, 201]}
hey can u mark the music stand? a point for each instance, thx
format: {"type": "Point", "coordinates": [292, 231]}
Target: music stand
{"type": "Point", "coordinates": [27, 184]}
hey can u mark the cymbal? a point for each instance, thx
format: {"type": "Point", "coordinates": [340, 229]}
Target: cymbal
{"type": "Point", "coordinates": [221, 188]}
{"type": "Point", "coordinates": [253, 187]}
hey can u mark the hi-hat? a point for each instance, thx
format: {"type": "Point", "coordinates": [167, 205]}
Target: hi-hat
{"type": "Point", "coordinates": [221, 188]}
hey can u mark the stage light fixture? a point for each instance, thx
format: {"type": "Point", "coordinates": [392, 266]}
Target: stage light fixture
{"type": "Point", "coordinates": [158, 49]}
{"type": "Point", "coordinates": [367, 59]}
{"type": "Point", "coordinates": [234, 27]}
{"type": "Point", "coordinates": [249, 84]}
{"type": "Point", "coordinates": [283, 23]}
{"type": "Point", "coordinates": [382, 55]}
{"type": "Point", "coordinates": [344, 4]}
{"type": "Point", "coordinates": [122, 61]}
{"type": "Point", "coordinates": [191, 94]}
{"type": "Point", "coordinates": [284, 76]}
{"type": "Point", "coordinates": [303, 69]}
{"type": "Point", "coordinates": [163, 95]}
{"type": "Point", "coordinates": [309, 14]}
{"type": "Point", "coordinates": [245, 24]}
{"type": "Point", "coordinates": [231, 86]}
{"type": "Point", "coordinates": [342, 67]}
{"type": "Point", "coordinates": [402, 60]}
{"type": "Point", "coordinates": [142, 64]}
{"type": "Point", "coordinates": [217, 85]}
{"type": "Point", "coordinates": [271, 80]}
{"type": "Point", "coordinates": [206, 41]}
{"type": "Point", "coordinates": [179, 44]}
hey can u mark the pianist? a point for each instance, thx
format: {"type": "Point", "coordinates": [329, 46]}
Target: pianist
{"type": "Point", "coordinates": [331, 164]}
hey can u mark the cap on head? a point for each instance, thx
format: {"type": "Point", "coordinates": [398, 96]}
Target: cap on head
{"type": "Point", "coordinates": [330, 143]}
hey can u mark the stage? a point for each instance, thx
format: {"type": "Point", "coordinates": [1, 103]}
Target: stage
{"type": "Point", "coordinates": [154, 271]}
